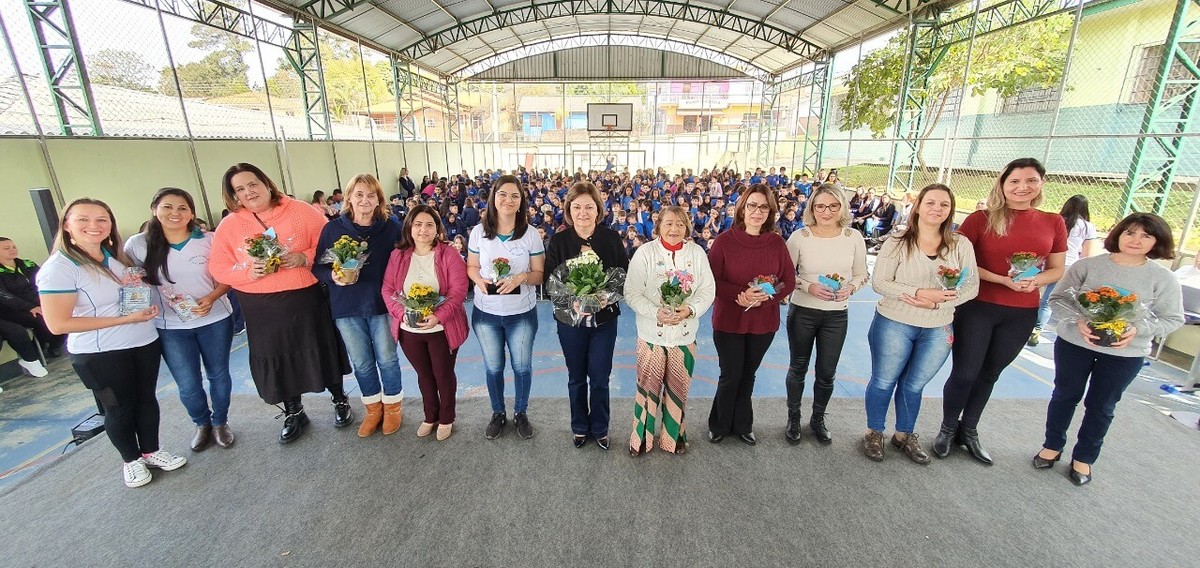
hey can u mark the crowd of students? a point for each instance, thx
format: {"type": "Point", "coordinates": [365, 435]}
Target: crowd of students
{"type": "Point", "coordinates": [743, 243]}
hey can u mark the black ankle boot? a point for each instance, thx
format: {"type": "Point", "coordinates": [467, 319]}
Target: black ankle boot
{"type": "Point", "coordinates": [817, 423]}
{"type": "Point", "coordinates": [342, 415]}
{"type": "Point", "coordinates": [792, 433]}
{"type": "Point", "coordinates": [969, 437]}
{"type": "Point", "coordinates": [944, 441]}
{"type": "Point", "coordinates": [294, 420]}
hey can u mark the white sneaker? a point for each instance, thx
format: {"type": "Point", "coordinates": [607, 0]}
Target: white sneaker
{"type": "Point", "coordinates": [136, 474]}
{"type": "Point", "coordinates": [164, 460]}
{"type": "Point", "coordinates": [34, 368]}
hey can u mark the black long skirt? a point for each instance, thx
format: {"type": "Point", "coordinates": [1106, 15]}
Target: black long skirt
{"type": "Point", "coordinates": [294, 346]}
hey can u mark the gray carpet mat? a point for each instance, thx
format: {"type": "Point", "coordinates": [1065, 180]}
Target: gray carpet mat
{"type": "Point", "coordinates": [334, 499]}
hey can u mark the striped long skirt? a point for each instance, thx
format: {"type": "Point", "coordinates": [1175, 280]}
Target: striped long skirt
{"type": "Point", "coordinates": [663, 377]}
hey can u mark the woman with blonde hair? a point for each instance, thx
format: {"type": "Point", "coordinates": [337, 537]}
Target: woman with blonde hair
{"type": "Point", "coordinates": [819, 311]}
{"type": "Point", "coordinates": [991, 329]}
{"type": "Point", "coordinates": [666, 344]}
{"type": "Point", "coordinates": [293, 343]}
{"type": "Point", "coordinates": [589, 344]}
{"type": "Point", "coordinates": [359, 312]}
{"type": "Point", "coordinates": [116, 356]}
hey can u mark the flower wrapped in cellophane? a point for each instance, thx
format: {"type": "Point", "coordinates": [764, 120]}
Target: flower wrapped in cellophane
{"type": "Point", "coordinates": [1024, 265]}
{"type": "Point", "coordinates": [267, 248]}
{"type": "Point", "coordinates": [950, 278]}
{"type": "Point", "coordinates": [676, 289]}
{"type": "Point", "coordinates": [419, 303]}
{"type": "Point", "coordinates": [347, 257]}
{"type": "Point", "coordinates": [581, 286]}
{"type": "Point", "coordinates": [1108, 311]}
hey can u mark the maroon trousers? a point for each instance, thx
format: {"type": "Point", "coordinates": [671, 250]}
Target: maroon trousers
{"type": "Point", "coordinates": [433, 360]}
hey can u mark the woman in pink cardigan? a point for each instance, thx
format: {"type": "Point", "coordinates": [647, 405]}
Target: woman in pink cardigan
{"type": "Point", "coordinates": [431, 344]}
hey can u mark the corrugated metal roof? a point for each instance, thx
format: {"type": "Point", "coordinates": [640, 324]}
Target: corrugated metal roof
{"type": "Point", "coordinates": [613, 61]}
{"type": "Point", "coordinates": [430, 31]}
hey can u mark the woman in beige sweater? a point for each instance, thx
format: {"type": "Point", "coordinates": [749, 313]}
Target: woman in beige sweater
{"type": "Point", "coordinates": [911, 335]}
{"type": "Point", "coordinates": [819, 312]}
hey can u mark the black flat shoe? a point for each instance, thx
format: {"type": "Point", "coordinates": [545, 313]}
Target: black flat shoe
{"type": "Point", "coordinates": [602, 442]}
{"type": "Point", "coordinates": [1040, 462]}
{"type": "Point", "coordinates": [715, 438]}
{"type": "Point", "coordinates": [634, 453]}
{"type": "Point", "coordinates": [580, 441]}
{"type": "Point", "coordinates": [1079, 478]}
{"type": "Point", "coordinates": [748, 438]}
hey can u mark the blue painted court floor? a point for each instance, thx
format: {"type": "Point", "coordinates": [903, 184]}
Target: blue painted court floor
{"type": "Point", "coordinates": [36, 415]}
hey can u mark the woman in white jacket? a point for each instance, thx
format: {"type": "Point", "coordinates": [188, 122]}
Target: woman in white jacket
{"type": "Point", "coordinates": [666, 346]}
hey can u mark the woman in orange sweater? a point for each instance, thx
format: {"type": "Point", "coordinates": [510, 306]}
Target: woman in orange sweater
{"type": "Point", "coordinates": [294, 346]}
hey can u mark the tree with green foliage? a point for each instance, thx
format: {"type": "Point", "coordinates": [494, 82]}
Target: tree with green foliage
{"type": "Point", "coordinates": [1028, 56]}
{"type": "Point", "coordinates": [343, 70]}
{"type": "Point", "coordinates": [120, 68]}
{"type": "Point", "coordinates": [220, 73]}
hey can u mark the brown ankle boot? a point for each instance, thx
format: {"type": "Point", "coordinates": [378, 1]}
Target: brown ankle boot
{"type": "Point", "coordinates": [393, 415]}
{"type": "Point", "coordinates": [372, 419]}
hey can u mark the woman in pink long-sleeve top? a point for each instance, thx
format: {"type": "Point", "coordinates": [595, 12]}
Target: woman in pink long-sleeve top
{"type": "Point", "coordinates": [431, 345]}
{"type": "Point", "coordinates": [745, 318]}
{"type": "Point", "coordinates": [294, 346]}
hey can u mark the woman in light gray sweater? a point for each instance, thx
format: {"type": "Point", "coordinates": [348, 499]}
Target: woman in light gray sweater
{"type": "Point", "coordinates": [1080, 363]}
{"type": "Point", "coordinates": [911, 335]}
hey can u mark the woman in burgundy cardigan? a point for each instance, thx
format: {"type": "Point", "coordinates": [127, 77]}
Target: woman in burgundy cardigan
{"type": "Point", "coordinates": [745, 318]}
{"type": "Point", "coordinates": [422, 257]}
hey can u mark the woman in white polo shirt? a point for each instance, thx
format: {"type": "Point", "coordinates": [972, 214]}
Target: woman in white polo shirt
{"type": "Point", "coordinates": [506, 315]}
{"type": "Point", "coordinates": [115, 356]}
{"type": "Point", "coordinates": [193, 319]}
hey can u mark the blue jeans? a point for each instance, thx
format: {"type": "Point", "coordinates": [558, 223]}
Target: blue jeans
{"type": "Point", "coordinates": [903, 360]}
{"type": "Point", "coordinates": [183, 350]}
{"type": "Point", "coordinates": [589, 354]}
{"type": "Point", "coordinates": [372, 351]}
{"type": "Point", "coordinates": [517, 332]}
{"type": "Point", "coordinates": [1044, 305]}
{"type": "Point", "coordinates": [1104, 377]}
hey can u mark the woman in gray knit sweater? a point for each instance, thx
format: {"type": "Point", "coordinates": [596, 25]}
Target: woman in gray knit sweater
{"type": "Point", "coordinates": [911, 335]}
{"type": "Point", "coordinates": [1081, 364]}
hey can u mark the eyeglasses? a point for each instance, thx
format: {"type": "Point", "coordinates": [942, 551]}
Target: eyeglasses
{"type": "Point", "coordinates": [764, 208]}
{"type": "Point", "coordinates": [501, 196]}
{"type": "Point", "coordinates": [831, 207]}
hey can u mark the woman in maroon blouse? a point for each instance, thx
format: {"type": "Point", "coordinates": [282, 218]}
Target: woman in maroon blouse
{"type": "Point", "coordinates": [745, 318]}
{"type": "Point", "coordinates": [990, 330]}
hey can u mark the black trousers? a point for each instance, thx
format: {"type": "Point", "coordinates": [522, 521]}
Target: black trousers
{"type": "Point", "coordinates": [826, 330]}
{"type": "Point", "coordinates": [124, 382]}
{"type": "Point", "coordinates": [37, 324]}
{"type": "Point", "coordinates": [18, 337]}
{"type": "Point", "coordinates": [987, 337]}
{"type": "Point", "coordinates": [739, 355]}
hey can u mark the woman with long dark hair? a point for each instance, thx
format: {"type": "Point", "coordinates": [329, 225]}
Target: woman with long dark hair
{"type": "Point", "coordinates": [194, 317]}
{"type": "Point", "coordinates": [991, 329]}
{"type": "Point", "coordinates": [1082, 364]}
{"type": "Point", "coordinates": [115, 355]}
{"type": "Point", "coordinates": [505, 314]}
{"type": "Point", "coordinates": [294, 346]}
{"type": "Point", "coordinates": [1081, 243]}
{"type": "Point", "coordinates": [910, 337]}
{"type": "Point", "coordinates": [422, 257]}
{"type": "Point", "coordinates": [359, 312]}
